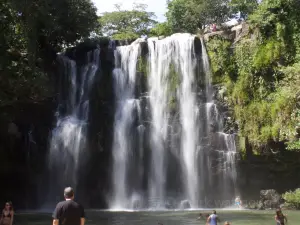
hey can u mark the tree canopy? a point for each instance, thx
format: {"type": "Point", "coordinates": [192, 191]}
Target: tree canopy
{"type": "Point", "coordinates": [32, 31]}
{"type": "Point", "coordinates": [161, 29]}
{"type": "Point", "coordinates": [245, 7]}
{"type": "Point", "coordinates": [190, 15]}
{"type": "Point", "coordinates": [127, 24]}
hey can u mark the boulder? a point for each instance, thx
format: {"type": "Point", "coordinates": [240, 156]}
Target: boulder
{"type": "Point", "coordinates": [270, 199]}
{"type": "Point", "coordinates": [185, 204]}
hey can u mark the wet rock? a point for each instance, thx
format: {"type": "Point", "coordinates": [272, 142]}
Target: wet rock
{"type": "Point", "coordinates": [14, 130]}
{"type": "Point", "coordinates": [185, 204]}
{"type": "Point", "coordinates": [269, 199]}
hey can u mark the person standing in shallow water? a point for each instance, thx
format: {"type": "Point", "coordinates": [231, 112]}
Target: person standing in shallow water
{"type": "Point", "coordinates": [68, 212]}
{"type": "Point", "coordinates": [203, 216]}
{"type": "Point", "coordinates": [238, 202]}
{"type": "Point", "coordinates": [7, 216]}
{"type": "Point", "coordinates": [213, 219]}
{"type": "Point", "coordinates": [280, 218]}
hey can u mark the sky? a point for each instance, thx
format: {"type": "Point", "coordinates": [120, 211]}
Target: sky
{"type": "Point", "coordinates": [159, 7]}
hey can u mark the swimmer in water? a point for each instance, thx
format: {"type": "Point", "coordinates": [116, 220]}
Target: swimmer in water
{"type": "Point", "coordinates": [203, 216]}
{"type": "Point", "coordinates": [7, 216]}
{"type": "Point", "coordinates": [280, 218]}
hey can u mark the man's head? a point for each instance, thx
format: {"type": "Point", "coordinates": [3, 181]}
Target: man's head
{"type": "Point", "coordinates": [214, 212]}
{"type": "Point", "coordinates": [69, 193]}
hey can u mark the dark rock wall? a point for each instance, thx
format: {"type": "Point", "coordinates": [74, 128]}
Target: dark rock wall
{"type": "Point", "coordinates": [24, 131]}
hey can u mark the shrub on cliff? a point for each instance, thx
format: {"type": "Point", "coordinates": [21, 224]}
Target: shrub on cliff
{"type": "Point", "coordinates": [292, 199]}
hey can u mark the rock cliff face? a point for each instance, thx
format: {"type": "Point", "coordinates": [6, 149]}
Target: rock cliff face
{"type": "Point", "coordinates": [276, 169]}
{"type": "Point", "coordinates": [24, 132]}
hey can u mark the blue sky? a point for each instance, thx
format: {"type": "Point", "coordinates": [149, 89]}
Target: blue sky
{"type": "Point", "coordinates": [157, 6]}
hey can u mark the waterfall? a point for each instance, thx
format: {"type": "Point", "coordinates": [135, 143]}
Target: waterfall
{"type": "Point", "coordinates": [169, 148]}
{"type": "Point", "coordinates": [126, 107]}
{"type": "Point", "coordinates": [68, 138]}
{"type": "Point", "coordinates": [173, 142]}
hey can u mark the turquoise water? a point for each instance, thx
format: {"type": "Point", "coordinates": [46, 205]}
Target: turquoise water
{"type": "Point", "coordinates": [239, 217]}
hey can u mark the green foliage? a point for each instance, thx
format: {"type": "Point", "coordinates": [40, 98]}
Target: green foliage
{"type": "Point", "coordinates": [279, 20]}
{"type": "Point", "coordinates": [191, 15]}
{"type": "Point", "coordinates": [31, 32]}
{"type": "Point", "coordinates": [267, 54]}
{"type": "Point", "coordinates": [220, 53]}
{"type": "Point", "coordinates": [63, 22]}
{"type": "Point", "coordinates": [292, 198]}
{"type": "Point", "coordinates": [262, 75]}
{"type": "Point", "coordinates": [127, 24]}
{"type": "Point", "coordinates": [161, 29]}
{"type": "Point", "coordinates": [245, 7]}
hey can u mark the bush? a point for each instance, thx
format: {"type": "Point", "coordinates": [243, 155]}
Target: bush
{"type": "Point", "coordinates": [292, 198]}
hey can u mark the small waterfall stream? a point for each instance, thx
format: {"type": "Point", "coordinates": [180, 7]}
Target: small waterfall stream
{"type": "Point", "coordinates": [68, 139]}
{"type": "Point", "coordinates": [158, 86]}
{"type": "Point", "coordinates": [224, 143]}
{"type": "Point", "coordinates": [126, 107]}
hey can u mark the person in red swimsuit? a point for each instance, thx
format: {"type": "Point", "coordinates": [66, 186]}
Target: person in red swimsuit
{"type": "Point", "coordinates": [280, 218]}
{"type": "Point", "coordinates": [7, 216]}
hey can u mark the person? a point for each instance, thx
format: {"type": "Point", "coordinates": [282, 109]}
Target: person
{"type": "Point", "coordinates": [204, 216]}
{"type": "Point", "coordinates": [213, 219]}
{"type": "Point", "coordinates": [226, 223]}
{"type": "Point", "coordinates": [280, 218]}
{"type": "Point", "coordinates": [68, 212]}
{"type": "Point", "coordinates": [214, 27]}
{"type": "Point", "coordinates": [238, 202]}
{"type": "Point", "coordinates": [200, 216]}
{"type": "Point", "coordinates": [7, 216]}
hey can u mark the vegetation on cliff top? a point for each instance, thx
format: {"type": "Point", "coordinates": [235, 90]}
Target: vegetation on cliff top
{"type": "Point", "coordinates": [31, 33]}
{"type": "Point", "coordinates": [127, 24]}
{"type": "Point", "coordinates": [292, 199]}
{"type": "Point", "coordinates": [262, 74]}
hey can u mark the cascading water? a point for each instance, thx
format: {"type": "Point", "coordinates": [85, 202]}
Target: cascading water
{"type": "Point", "coordinates": [126, 107]}
{"type": "Point", "coordinates": [188, 112]}
{"type": "Point", "coordinates": [158, 85]}
{"type": "Point", "coordinates": [168, 149]}
{"type": "Point", "coordinates": [177, 51]}
{"type": "Point", "coordinates": [69, 136]}
{"type": "Point", "coordinates": [189, 132]}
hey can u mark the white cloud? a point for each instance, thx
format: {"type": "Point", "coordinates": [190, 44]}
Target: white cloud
{"type": "Point", "coordinates": [156, 6]}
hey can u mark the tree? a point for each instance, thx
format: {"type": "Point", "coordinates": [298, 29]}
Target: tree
{"type": "Point", "coordinates": [161, 29]}
{"type": "Point", "coordinates": [63, 22]}
{"type": "Point", "coordinates": [127, 24]}
{"type": "Point", "coordinates": [31, 32]}
{"type": "Point", "coordinates": [190, 15]}
{"type": "Point", "coordinates": [245, 7]}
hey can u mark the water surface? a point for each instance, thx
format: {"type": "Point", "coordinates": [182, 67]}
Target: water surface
{"type": "Point", "coordinates": [238, 217]}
